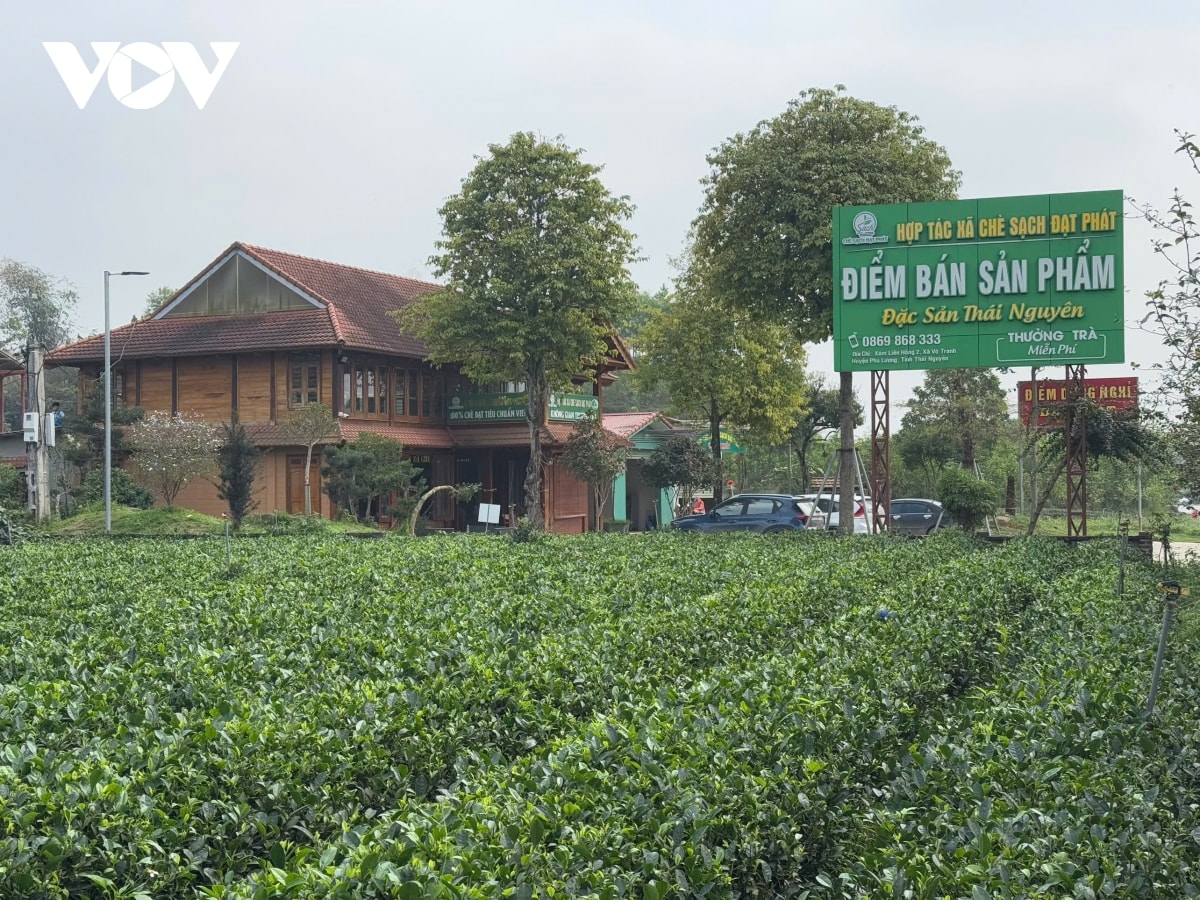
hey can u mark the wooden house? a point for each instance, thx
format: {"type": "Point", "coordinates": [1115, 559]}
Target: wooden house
{"type": "Point", "coordinates": [12, 410]}
{"type": "Point", "coordinates": [265, 333]}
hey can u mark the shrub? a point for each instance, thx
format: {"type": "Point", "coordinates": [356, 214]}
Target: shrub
{"type": "Point", "coordinates": [12, 487]}
{"type": "Point", "coordinates": [968, 500]}
{"type": "Point", "coordinates": [125, 491]}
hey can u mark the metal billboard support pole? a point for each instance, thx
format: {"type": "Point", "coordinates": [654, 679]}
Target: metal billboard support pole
{"type": "Point", "coordinates": [1076, 434]}
{"type": "Point", "coordinates": [881, 460]}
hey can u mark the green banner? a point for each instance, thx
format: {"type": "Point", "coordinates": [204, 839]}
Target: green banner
{"type": "Point", "coordinates": [1006, 281]}
{"type": "Point", "coordinates": [729, 444]}
{"type": "Point", "coordinates": [569, 407]}
{"type": "Point", "coordinates": [488, 408]}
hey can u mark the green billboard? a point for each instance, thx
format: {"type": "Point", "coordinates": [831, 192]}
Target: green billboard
{"type": "Point", "coordinates": [511, 407]}
{"type": "Point", "coordinates": [1005, 281]}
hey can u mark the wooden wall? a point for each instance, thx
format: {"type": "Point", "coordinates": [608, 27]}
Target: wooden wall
{"type": "Point", "coordinates": [254, 387]}
{"type": "Point", "coordinates": [204, 387]}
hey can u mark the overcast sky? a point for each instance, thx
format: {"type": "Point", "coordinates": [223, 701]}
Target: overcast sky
{"type": "Point", "coordinates": [340, 126]}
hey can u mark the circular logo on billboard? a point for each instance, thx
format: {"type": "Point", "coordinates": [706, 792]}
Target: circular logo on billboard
{"type": "Point", "coordinates": [865, 224]}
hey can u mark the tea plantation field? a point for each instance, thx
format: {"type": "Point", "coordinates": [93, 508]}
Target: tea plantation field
{"type": "Point", "coordinates": [605, 716]}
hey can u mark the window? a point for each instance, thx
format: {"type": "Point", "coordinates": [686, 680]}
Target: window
{"type": "Point", "coordinates": [118, 390]}
{"type": "Point", "coordinates": [418, 394]}
{"type": "Point", "coordinates": [365, 388]}
{"type": "Point", "coordinates": [304, 380]}
{"type": "Point", "coordinates": [761, 506]}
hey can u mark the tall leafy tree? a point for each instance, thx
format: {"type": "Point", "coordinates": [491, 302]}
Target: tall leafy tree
{"type": "Point", "coordinates": [34, 306]}
{"type": "Point", "coordinates": [959, 408]}
{"type": "Point", "coordinates": [726, 366]}
{"type": "Point", "coordinates": [534, 257]}
{"type": "Point", "coordinates": [764, 231]}
{"type": "Point", "coordinates": [1174, 304]}
{"type": "Point", "coordinates": [823, 408]}
{"type": "Point", "coordinates": [624, 395]}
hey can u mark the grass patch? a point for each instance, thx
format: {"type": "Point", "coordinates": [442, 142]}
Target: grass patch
{"type": "Point", "coordinates": [1183, 528]}
{"type": "Point", "coordinates": [164, 522]}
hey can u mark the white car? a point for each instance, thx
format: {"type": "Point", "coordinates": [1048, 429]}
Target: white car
{"type": "Point", "coordinates": [1186, 507]}
{"type": "Point", "coordinates": [823, 509]}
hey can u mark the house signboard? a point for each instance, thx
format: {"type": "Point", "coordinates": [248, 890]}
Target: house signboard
{"type": "Point", "coordinates": [1005, 281]}
{"type": "Point", "coordinates": [1049, 395]}
{"type": "Point", "coordinates": [487, 408]}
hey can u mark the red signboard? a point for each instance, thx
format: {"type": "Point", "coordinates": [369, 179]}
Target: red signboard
{"type": "Point", "coordinates": [1116, 394]}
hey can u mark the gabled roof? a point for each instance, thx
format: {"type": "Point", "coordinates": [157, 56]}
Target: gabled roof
{"type": "Point", "coordinates": [352, 312]}
{"type": "Point", "coordinates": [630, 423]}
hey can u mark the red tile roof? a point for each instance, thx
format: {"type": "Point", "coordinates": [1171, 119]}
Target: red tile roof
{"type": "Point", "coordinates": [287, 330]}
{"type": "Point", "coordinates": [629, 424]}
{"type": "Point", "coordinates": [358, 299]}
{"type": "Point", "coordinates": [427, 437]}
{"type": "Point", "coordinates": [354, 315]}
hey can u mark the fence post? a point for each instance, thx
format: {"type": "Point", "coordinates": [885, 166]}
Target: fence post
{"type": "Point", "coordinates": [1173, 592]}
{"type": "Point", "coordinates": [1123, 530]}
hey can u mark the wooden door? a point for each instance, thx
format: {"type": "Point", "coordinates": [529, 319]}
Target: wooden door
{"type": "Point", "coordinates": [295, 486]}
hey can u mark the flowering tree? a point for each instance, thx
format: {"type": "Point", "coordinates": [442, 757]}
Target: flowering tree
{"type": "Point", "coordinates": [171, 450]}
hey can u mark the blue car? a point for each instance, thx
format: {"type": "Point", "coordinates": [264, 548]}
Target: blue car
{"type": "Point", "coordinates": [763, 513]}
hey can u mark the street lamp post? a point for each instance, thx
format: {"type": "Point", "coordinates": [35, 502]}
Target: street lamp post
{"type": "Point", "coordinates": [108, 404]}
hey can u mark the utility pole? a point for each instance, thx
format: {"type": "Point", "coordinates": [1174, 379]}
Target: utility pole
{"type": "Point", "coordinates": [37, 450]}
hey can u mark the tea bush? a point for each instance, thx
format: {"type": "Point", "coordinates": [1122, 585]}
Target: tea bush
{"type": "Point", "coordinates": [671, 716]}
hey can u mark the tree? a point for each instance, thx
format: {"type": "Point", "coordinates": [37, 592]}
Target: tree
{"type": "Point", "coordinates": [1174, 305]}
{"type": "Point", "coordinates": [964, 408]}
{"type": "Point", "coordinates": [237, 460]}
{"type": "Point", "coordinates": [681, 463]}
{"type": "Point", "coordinates": [764, 234]}
{"type": "Point", "coordinates": [967, 500]}
{"type": "Point", "coordinates": [923, 452]}
{"type": "Point", "coordinates": [361, 473]}
{"type": "Point", "coordinates": [1110, 434]}
{"type": "Point", "coordinates": [534, 256]}
{"type": "Point", "coordinates": [1184, 437]}
{"type": "Point", "coordinates": [172, 450]}
{"type": "Point", "coordinates": [308, 426]}
{"type": "Point", "coordinates": [34, 307]}
{"type": "Point", "coordinates": [83, 437]}
{"type": "Point", "coordinates": [823, 405]}
{"type": "Point", "coordinates": [157, 298]}
{"type": "Point", "coordinates": [594, 455]}
{"type": "Point", "coordinates": [625, 395]}
{"type": "Point", "coordinates": [724, 365]}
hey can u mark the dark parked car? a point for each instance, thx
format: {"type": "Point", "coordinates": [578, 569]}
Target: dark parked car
{"type": "Point", "coordinates": [764, 513]}
{"type": "Point", "coordinates": [912, 516]}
